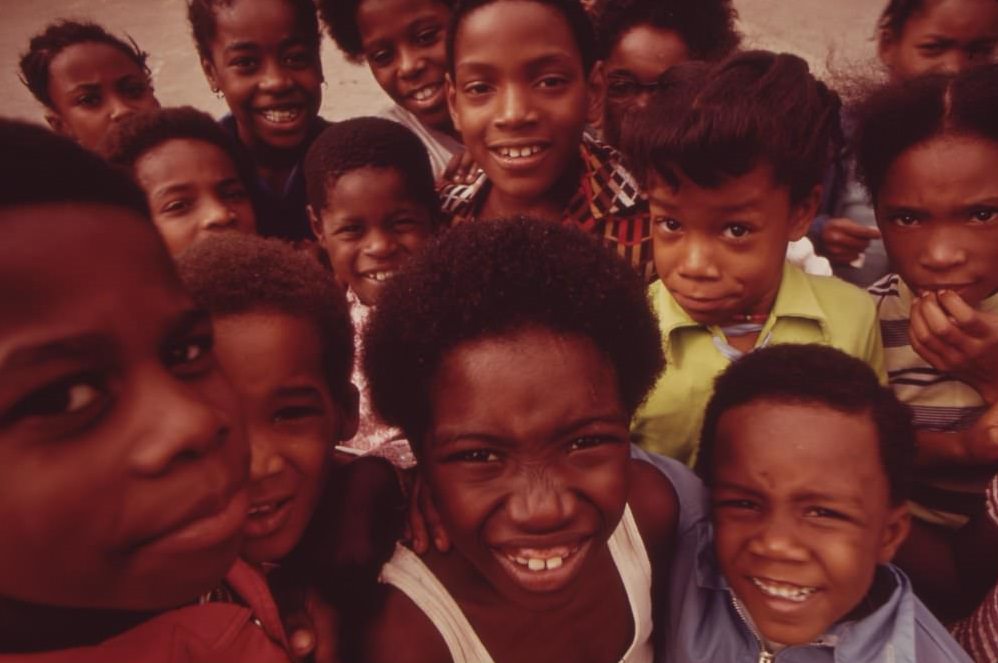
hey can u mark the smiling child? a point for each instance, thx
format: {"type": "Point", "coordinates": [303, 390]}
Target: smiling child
{"type": "Point", "coordinates": [263, 57]}
{"type": "Point", "coordinates": [191, 171]}
{"type": "Point", "coordinates": [512, 354]}
{"type": "Point", "coordinates": [87, 79]}
{"type": "Point", "coordinates": [731, 182]}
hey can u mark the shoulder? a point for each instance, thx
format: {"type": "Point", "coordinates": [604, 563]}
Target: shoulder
{"type": "Point", "coordinates": [655, 507]}
{"type": "Point", "coordinates": [402, 633]}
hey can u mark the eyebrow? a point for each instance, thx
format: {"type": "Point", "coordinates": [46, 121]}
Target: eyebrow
{"type": "Point", "coordinates": [499, 440]}
{"type": "Point", "coordinates": [77, 347]}
{"type": "Point", "coordinates": [172, 188]}
{"type": "Point", "coordinates": [537, 63]}
{"type": "Point", "coordinates": [241, 46]}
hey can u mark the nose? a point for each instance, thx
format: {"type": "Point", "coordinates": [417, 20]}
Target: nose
{"type": "Point", "coordinates": [274, 78]}
{"type": "Point", "coordinates": [641, 99]}
{"type": "Point", "coordinates": [697, 260]}
{"type": "Point", "coordinates": [943, 251]}
{"type": "Point", "coordinates": [181, 425]}
{"type": "Point", "coordinates": [954, 61]}
{"type": "Point", "coordinates": [120, 108]}
{"type": "Point", "coordinates": [380, 244]}
{"type": "Point", "coordinates": [777, 539]}
{"type": "Point", "coordinates": [265, 459]}
{"type": "Point", "coordinates": [539, 502]}
{"type": "Point", "coordinates": [218, 215]}
{"type": "Point", "coordinates": [514, 108]}
{"type": "Point", "coordinates": [411, 63]}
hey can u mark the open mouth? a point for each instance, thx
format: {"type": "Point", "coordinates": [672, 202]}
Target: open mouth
{"type": "Point", "coordinates": [783, 590]}
{"type": "Point", "coordinates": [427, 96]}
{"type": "Point", "coordinates": [379, 276]}
{"type": "Point", "coordinates": [267, 517]}
{"type": "Point", "coordinates": [543, 569]}
{"type": "Point", "coordinates": [283, 115]}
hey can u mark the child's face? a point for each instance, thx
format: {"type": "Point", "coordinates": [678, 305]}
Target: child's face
{"type": "Point", "coordinates": [404, 44]}
{"type": "Point", "coordinates": [945, 36]}
{"type": "Point", "coordinates": [802, 515]}
{"type": "Point", "coordinates": [193, 190]}
{"type": "Point", "coordinates": [938, 213]}
{"type": "Point", "coordinates": [122, 455]}
{"type": "Point", "coordinates": [519, 96]}
{"type": "Point", "coordinates": [370, 227]}
{"type": "Point", "coordinates": [271, 77]}
{"type": "Point", "coordinates": [275, 364]}
{"type": "Point", "coordinates": [720, 251]}
{"type": "Point", "coordinates": [527, 458]}
{"type": "Point", "coordinates": [630, 72]}
{"type": "Point", "coordinates": [93, 86]}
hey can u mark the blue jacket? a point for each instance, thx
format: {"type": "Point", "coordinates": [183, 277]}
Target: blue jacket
{"type": "Point", "coordinates": [704, 626]}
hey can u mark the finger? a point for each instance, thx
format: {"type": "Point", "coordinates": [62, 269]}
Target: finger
{"type": "Point", "coordinates": [965, 316]}
{"type": "Point", "coordinates": [865, 233]}
{"type": "Point", "coordinates": [302, 642]}
{"type": "Point", "coordinates": [931, 328]}
{"type": "Point", "coordinates": [921, 338]}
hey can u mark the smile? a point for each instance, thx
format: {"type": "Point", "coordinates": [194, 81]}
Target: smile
{"type": "Point", "coordinates": [782, 590]}
{"type": "Point", "coordinates": [265, 518]}
{"type": "Point", "coordinates": [546, 569]}
{"type": "Point", "coordinates": [520, 152]}
{"type": "Point", "coordinates": [378, 277]}
{"type": "Point", "coordinates": [541, 560]}
{"type": "Point", "coordinates": [426, 92]}
{"type": "Point", "coordinates": [281, 115]}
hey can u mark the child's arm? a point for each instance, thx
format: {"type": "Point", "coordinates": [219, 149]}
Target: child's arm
{"type": "Point", "coordinates": [978, 445]}
{"type": "Point", "coordinates": [953, 336]}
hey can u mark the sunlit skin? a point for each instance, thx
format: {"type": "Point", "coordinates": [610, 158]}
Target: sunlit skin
{"type": "Point", "coordinates": [720, 251]}
{"type": "Point", "coordinates": [123, 457]}
{"type": "Point", "coordinates": [628, 76]}
{"type": "Point", "coordinates": [938, 212]}
{"type": "Point", "coordinates": [519, 86]}
{"type": "Point", "coordinates": [270, 75]}
{"type": "Point", "coordinates": [93, 86]}
{"type": "Point", "coordinates": [194, 191]}
{"type": "Point", "coordinates": [945, 36]}
{"type": "Point", "coordinates": [274, 362]}
{"type": "Point", "coordinates": [801, 505]}
{"type": "Point", "coordinates": [404, 45]}
{"type": "Point", "coordinates": [370, 227]}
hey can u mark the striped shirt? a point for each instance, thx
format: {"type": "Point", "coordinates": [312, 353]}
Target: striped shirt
{"type": "Point", "coordinates": [978, 634]}
{"type": "Point", "coordinates": [608, 203]}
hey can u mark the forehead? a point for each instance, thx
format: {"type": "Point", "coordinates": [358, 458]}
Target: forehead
{"type": "Point", "coordinates": [508, 33]}
{"type": "Point", "coordinates": [757, 187]}
{"type": "Point", "coordinates": [368, 188]}
{"type": "Point", "coordinates": [648, 49]}
{"type": "Point", "coordinates": [260, 22]}
{"type": "Point", "coordinates": [180, 159]}
{"type": "Point", "coordinates": [90, 62]}
{"type": "Point", "coordinates": [944, 171]}
{"type": "Point", "coordinates": [380, 18]}
{"type": "Point", "coordinates": [266, 350]}
{"type": "Point", "coordinates": [956, 18]}
{"type": "Point", "coordinates": [782, 448]}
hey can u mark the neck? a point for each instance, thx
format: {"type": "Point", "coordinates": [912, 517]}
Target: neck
{"type": "Point", "coordinates": [549, 206]}
{"type": "Point", "coordinates": [30, 627]}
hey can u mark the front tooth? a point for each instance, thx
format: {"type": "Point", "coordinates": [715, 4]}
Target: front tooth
{"type": "Point", "coordinates": [521, 561]}
{"type": "Point", "coordinates": [535, 564]}
{"type": "Point", "coordinates": [553, 563]}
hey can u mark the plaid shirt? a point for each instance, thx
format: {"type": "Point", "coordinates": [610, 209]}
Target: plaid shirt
{"type": "Point", "coordinates": [608, 204]}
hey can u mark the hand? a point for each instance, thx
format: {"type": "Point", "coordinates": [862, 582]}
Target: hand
{"type": "Point", "coordinates": [953, 336]}
{"type": "Point", "coordinates": [981, 439]}
{"type": "Point", "coordinates": [461, 169]}
{"type": "Point", "coordinates": [312, 626]}
{"type": "Point", "coordinates": [424, 521]}
{"type": "Point", "coordinates": [843, 240]}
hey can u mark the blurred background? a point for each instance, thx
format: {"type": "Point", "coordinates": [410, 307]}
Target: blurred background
{"type": "Point", "coordinates": [833, 35]}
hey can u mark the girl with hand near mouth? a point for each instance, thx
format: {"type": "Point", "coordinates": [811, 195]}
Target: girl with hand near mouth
{"type": "Point", "coordinates": [263, 57]}
{"type": "Point", "coordinates": [512, 354]}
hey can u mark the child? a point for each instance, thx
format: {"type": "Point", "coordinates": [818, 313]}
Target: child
{"type": "Point", "coordinates": [639, 40]}
{"type": "Point", "coordinates": [403, 44]}
{"type": "Point", "coordinates": [979, 632]}
{"type": "Point", "coordinates": [928, 153]}
{"type": "Point", "coordinates": [87, 79]}
{"type": "Point", "coordinates": [373, 207]}
{"type": "Point", "coordinates": [263, 57]}
{"type": "Point", "coordinates": [519, 93]}
{"type": "Point", "coordinates": [195, 181]}
{"type": "Point", "coordinates": [124, 462]}
{"type": "Point", "coordinates": [808, 479]}
{"type": "Point", "coordinates": [731, 179]}
{"type": "Point", "coordinates": [512, 354]}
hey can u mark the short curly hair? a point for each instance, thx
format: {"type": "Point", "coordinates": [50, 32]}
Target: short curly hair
{"type": "Point", "coordinates": [135, 135]}
{"type": "Point", "coordinates": [491, 278]}
{"type": "Point", "coordinates": [58, 36]}
{"type": "Point", "coordinates": [204, 23]}
{"type": "Point", "coordinates": [340, 19]}
{"type": "Point", "coordinates": [707, 27]}
{"type": "Point", "coordinates": [815, 375]}
{"type": "Point", "coordinates": [723, 119]}
{"type": "Point", "coordinates": [234, 273]}
{"type": "Point", "coordinates": [369, 142]}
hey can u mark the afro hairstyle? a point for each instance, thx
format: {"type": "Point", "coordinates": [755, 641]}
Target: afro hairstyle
{"type": "Point", "coordinates": [340, 19]}
{"type": "Point", "coordinates": [234, 273]}
{"type": "Point", "coordinates": [707, 27]}
{"type": "Point", "coordinates": [58, 36]}
{"type": "Point", "coordinates": [369, 142]}
{"type": "Point", "coordinates": [790, 374]}
{"type": "Point", "coordinates": [204, 23]}
{"type": "Point", "coordinates": [488, 279]}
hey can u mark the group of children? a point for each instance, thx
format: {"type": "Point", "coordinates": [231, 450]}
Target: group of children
{"type": "Point", "coordinates": [556, 307]}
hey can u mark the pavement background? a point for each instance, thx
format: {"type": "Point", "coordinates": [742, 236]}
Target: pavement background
{"type": "Point", "coordinates": [833, 35]}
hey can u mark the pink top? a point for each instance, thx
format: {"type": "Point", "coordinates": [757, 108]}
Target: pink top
{"type": "Point", "coordinates": [978, 634]}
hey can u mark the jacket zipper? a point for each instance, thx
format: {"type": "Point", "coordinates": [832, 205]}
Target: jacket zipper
{"type": "Point", "coordinates": [765, 656]}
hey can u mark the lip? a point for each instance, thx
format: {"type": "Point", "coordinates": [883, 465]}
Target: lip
{"type": "Point", "coordinates": [519, 163]}
{"type": "Point", "coordinates": [427, 96]}
{"type": "Point", "coordinates": [214, 520]}
{"type": "Point", "coordinates": [284, 116]}
{"type": "Point", "coordinates": [778, 603]}
{"type": "Point", "coordinates": [265, 524]}
{"type": "Point", "coordinates": [699, 303]}
{"type": "Point", "coordinates": [548, 579]}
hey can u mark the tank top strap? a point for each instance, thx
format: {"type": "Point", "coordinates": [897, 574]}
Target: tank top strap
{"type": "Point", "coordinates": [631, 558]}
{"type": "Point", "coordinates": [407, 572]}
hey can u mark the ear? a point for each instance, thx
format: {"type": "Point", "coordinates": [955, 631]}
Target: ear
{"type": "Point", "coordinates": [895, 532]}
{"type": "Point", "coordinates": [315, 223]}
{"type": "Point", "coordinates": [58, 125]}
{"type": "Point", "coordinates": [350, 413]}
{"type": "Point", "coordinates": [802, 213]}
{"type": "Point", "coordinates": [597, 94]}
{"type": "Point", "coordinates": [452, 102]}
{"type": "Point", "coordinates": [210, 74]}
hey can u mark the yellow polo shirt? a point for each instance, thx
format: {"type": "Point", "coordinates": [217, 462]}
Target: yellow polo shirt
{"type": "Point", "coordinates": [808, 309]}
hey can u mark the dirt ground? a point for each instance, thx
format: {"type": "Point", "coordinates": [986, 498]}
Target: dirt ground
{"type": "Point", "coordinates": [836, 32]}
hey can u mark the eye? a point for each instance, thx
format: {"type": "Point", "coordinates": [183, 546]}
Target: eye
{"type": "Point", "coordinates": [244, 63]}
{"type": "Point", "coordinates": [622, 88]}
{"type": "Point", "coordinates": [476, 89]}
{"type": "Point", "coordinates": [73, 395]}
{"type": "Point", "coordinates": [290, 413]}
{"type": "Point", "coordinates": [473, 456]}
{"type": "Point", "coordinates": [822, 512]}
{"type": "Point", "coordinates": [668, 224]}
{"type": "Point", "coordinates": [905, 220]}
{"type": "Point", "coordinates": [349, 231]}
{"type": "Point", "coordinates": [134, 89]}
{"type": "Point", "coordinates": [984, 214]}
{"type": "Point", "coordinates": [736, 231]}
{"type": "Point", "coordinates": [932, 49]}
{"type": "Point", "coordinates": [234, 192]}
{"type": "Point", "coordinates": [737, 505]}
{"type": "Point", "coordinates": [427, 37]}
{"type": "Point", "coordinates": [89, 100]}
{"type": "Point", "coordinates": [177, 206]}
{"type": "Point", "coordinates": [589, 442]}
{"type": "Point", "coordinates": [298, 59]}
{"type": "Point", "coordinates": [982, 51]}
{"type": "Point", "coordinates": [381, 58]}
{"type": "Point", "coordinates": [552, 82]}
{"type": "Point", "coordinates": [189, 355]}
{"type": "Point", "coordinates": [405, 225]}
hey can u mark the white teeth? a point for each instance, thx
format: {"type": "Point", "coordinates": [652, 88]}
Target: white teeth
{"type": "Point", "coordinates": [519, 152]}
{"type": "Point", "coordinates": [424, 93]}
{"type": "Point", "coordinates": [781, 591]}
{"type": "Point", "coordinates": [535, 564]}
{"type": "Point", "coordinates": [379, 276]}
{"type": "Point", "coordinates": [541, 563]}
{"type": "Point", "coordinates": [281, 116]}
{"type": "Point", "coordinates": [261, 509]}
{"type": "Point", "coordinates": [553, 563]}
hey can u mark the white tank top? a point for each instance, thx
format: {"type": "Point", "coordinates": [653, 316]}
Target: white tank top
{"type": "Point", "coordinates": [406, 571]}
